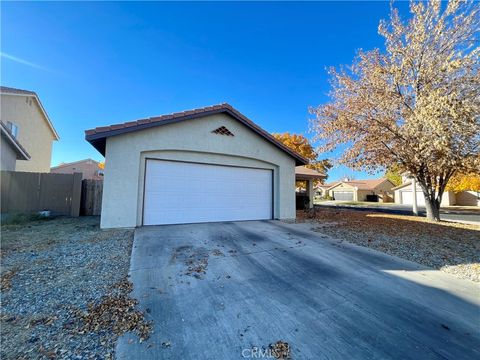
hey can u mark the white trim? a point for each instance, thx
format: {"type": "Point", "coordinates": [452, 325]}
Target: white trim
{"type": "Point", "coordinates": [50, 124]}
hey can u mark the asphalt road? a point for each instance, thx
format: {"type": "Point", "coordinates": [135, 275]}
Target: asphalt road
{"type": "Point", "coordinates": [225, 290]}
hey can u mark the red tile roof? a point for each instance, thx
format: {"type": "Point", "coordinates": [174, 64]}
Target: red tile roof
{"type": "Point", "coordinates": [369, 184]}
{"type": "Point", "coordinates": [98, 135]}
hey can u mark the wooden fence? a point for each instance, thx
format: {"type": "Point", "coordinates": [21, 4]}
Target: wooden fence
{"type": "Point", "coordinates": [91, 203]}
{"type": "Point", "coordinates": [25, 192]}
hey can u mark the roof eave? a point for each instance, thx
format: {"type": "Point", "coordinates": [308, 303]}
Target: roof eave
{"type": "Point", "coordinates": [98, 140]}
{"type": "Point", "coordinates": [301, 177]}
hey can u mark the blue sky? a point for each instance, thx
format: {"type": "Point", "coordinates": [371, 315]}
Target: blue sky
{"type": "Point", "coordinates": [98, 63]}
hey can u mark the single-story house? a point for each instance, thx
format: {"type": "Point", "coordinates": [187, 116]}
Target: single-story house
{"type": "Point", "coordinates": [203, 165]}
{"type": "Point", "coordinates": [322, 189]}
{"type": "Point", "coordinates": [308, 176]}
{"type": "Point", "coordinates": [404, 195]}
{"type": "Point", "coordinates": [363, 190]}
{"type": "Point", "coordinates": [11, 149]}
{"type": "Point", "coordinates": [89, 168]}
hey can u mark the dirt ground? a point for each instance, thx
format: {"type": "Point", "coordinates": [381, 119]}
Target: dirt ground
{"type": "Point", "coordinates": [446, 246]}
{"type": "Point", "coordinates": [65, 291]}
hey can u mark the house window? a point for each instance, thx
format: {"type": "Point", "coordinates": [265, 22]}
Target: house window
{"type": "Point", "coordinates": [13, 128]}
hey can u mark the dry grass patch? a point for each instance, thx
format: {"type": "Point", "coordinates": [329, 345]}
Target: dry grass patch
{"type": "Point", "coordinates": [6, 279]}
{"type": "Point", "coordinates": [447, 246]}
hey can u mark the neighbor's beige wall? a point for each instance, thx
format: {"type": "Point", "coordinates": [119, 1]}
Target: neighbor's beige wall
{"type": "Point", "coordinates": [385, 188]}
{"type": "Point", "coordinates": [467, 198]}
{"type": "Point", "coordinates": [8, 155]}
{"type": "Point", "coordinates": [342, 187]}
{"type": "Point", "coordinates": [190, 140]}
{"type": "Point", "coordinates": [88, 168]}
{"type": "Point", "coordinates": [362, 194]}
{"type": "Point", "coordinates": [448, 198]}
{"type": "Point", "coordinates": [34, 133]}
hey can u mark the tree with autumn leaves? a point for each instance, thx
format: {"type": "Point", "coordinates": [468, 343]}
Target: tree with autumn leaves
{"type": "Point", "coordinates": [464, 182]}
{"type": "Point", "coordinates": [301, 145]}
{"type": "Point", "coordinates": [416, 105]}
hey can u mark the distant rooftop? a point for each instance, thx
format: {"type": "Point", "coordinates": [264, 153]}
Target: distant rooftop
{"type": "Point", "coordinates": [10, 90]}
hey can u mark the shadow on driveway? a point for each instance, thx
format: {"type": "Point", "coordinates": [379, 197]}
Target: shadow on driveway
{"type": "Point", "coordinates": [217, 291]}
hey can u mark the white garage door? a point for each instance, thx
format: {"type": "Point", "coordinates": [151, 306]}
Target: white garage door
{"type": "Point", "coordinates": [181, 192]}
{"type": "Point", "coordinates": [343, 195]}
{"type": "Point", "coordinates": [407, 198]}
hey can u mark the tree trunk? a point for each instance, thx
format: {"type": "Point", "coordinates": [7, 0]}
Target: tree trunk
{"type": "Point", "coordinates": [433, 208]}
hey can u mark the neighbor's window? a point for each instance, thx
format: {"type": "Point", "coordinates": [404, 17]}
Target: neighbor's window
{"type": "Point", "coordinates": [13, 128]}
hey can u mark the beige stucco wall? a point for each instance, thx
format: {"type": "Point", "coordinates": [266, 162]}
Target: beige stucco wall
{"type": "Point", "coordinates": [88, 168]}
{"type": "Point", "coordinates": [467, 198]}
{"type": "Point", "coordinates": [189, 140]}
{"type": "Point", "coordinates": [362, 194]}
{"type": "Point", "coordinates": [384, 192]}
{"type": "Point", "coordinates": [34, 133]}
{"type": "Point", "coordinates": [343, 187]}
{"type": "Point", "coordinates": [448, 199]}
{"type": "Point", "coordinates": [8, 155]}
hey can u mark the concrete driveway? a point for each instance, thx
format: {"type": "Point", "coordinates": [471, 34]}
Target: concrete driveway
{"type": "Point", "coordinates": [217, 291]}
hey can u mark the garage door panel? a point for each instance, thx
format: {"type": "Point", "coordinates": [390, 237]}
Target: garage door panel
{"type": "Point", "coordinates": [407, 198]}
{"type": "Point", "coordinates": [177, 192]}
{"type": "Point", "coordinates": [343, 195]}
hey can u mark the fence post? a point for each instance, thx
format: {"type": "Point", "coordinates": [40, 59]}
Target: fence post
{"type": "Point", "coordinates": [76, 194]}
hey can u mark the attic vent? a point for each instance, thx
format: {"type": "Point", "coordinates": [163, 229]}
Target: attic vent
{"type": "Point", "coordinates": [222, 130]}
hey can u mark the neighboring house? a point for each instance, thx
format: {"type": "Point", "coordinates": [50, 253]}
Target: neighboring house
{"type": "Point", "coordinates": [26, 119]}
{"type": "Point", "coordinates": [307, 194]}
{"type": "Point", "coordinates": [89, 168]}
{"type": "Point", "coordinates": [302, 173]}
{"type": "Point", "coordinates": [11, 150]}
{"type": "Point", "coordinates": [204, 165]}
{"type": "Point", "coordinates": [363, 190]}
{"type": "Point", "coordinates": [322, 189]}
{"type": "Point", "coordinates": [404, 195]}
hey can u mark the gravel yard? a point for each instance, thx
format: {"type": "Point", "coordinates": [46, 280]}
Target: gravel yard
{"type": "Point", "coordinates": [65, 290]}
{"type": "Point", "coordinates": [450, 247]}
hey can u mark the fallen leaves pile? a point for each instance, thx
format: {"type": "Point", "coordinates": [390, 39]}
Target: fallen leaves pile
{"type": "Point", "coordinates": [115, 313]}
{"type": "Point", "coordinates": [196, 267]}
{"type": "Point", "coordinates": [447, 246]}
{"type": "Point", "coordinates": [415, 225]}
{"type": "Point", "coordinates": [280, 349]}
{"type": "Point", "coordinates": [6, 280]}
{"type": "Point", "coordinates": [196, 260]}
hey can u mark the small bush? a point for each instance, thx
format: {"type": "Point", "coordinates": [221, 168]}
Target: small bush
{"type": "Point", "coordinates": [22, 218]}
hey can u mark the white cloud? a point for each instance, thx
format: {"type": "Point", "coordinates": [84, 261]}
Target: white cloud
{"type": "Point", "coordinates": [22, 61]}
